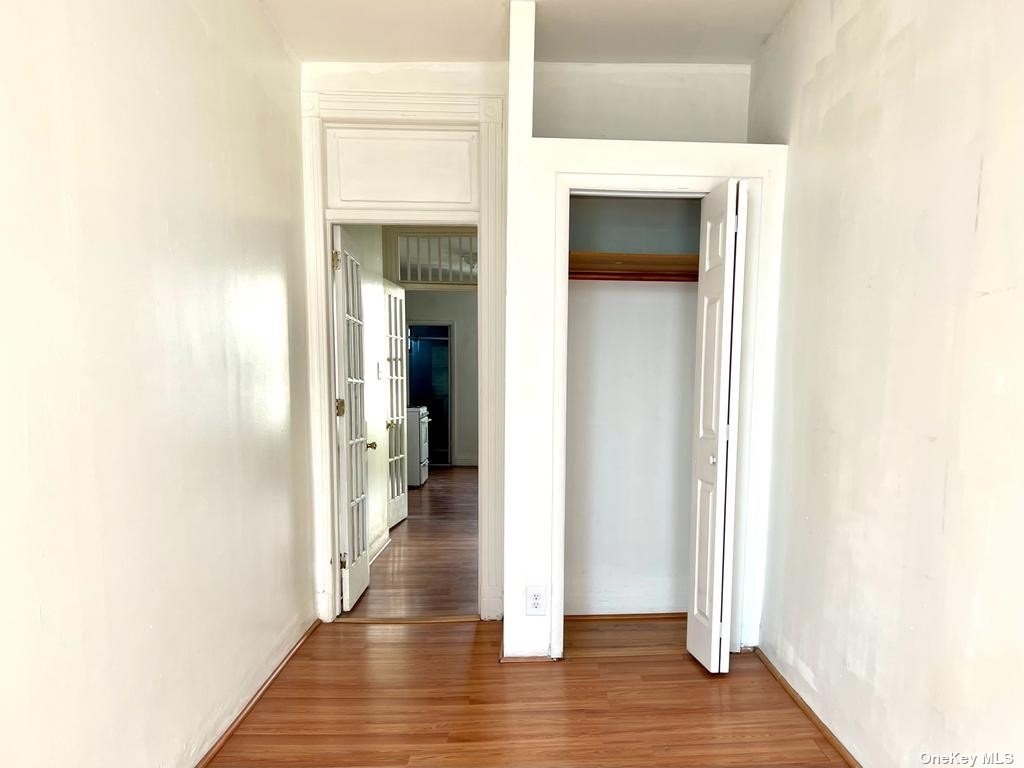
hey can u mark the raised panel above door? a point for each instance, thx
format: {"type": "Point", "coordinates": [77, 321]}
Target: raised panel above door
{"type": "Point", "coordinates": [415, 169]}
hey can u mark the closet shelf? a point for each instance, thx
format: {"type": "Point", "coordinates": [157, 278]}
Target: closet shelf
{"type": "Point", "coordinates": [603, 265]}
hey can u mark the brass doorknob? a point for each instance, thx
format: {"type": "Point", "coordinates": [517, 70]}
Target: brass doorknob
{"type": "Point", "coordinates": [372, 446]}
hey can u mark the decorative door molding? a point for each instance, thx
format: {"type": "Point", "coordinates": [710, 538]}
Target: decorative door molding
{"type": "Point", "coordinates": [470, 129]}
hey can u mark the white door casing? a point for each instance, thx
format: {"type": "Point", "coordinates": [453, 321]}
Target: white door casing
{"type": "Point", "coordinates": [719, 308]}
{"type": "Point", "coordinates": [398, 465]}
{"type": "Point", "coordinates": [351, 464]}
{"type": "Point", "coordinates": [414, 113]}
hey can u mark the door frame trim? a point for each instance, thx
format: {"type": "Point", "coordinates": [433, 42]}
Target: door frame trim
{"type": "Point", "coordinates": [483, 113]}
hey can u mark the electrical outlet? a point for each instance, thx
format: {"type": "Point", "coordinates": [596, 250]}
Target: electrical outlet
{"type": "Point", "coordinates": [536, 601]}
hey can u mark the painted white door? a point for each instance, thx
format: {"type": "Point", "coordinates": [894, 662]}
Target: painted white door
{"type": "Point", "coordinates": [719, 303]}
{"type": "Point", "coordinates": [398, 350]}
{"type": "Point", "coordinates": [350, 421]}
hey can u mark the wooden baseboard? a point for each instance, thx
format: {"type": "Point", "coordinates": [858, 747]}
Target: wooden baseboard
{"type": "Point", "coordinates": [219, 743]}
{"type": "Point", "coordinates": [626, 617]}
{"type": "Point", "coordinates": [503, 659]}
{"type": "Point", "coordinates": [524, 659]}
{"type": "Point", "coordinates": [457, 619]}
{"type": "Point", "coordinates": [811, 715]}
{"type": "Point", "coordinates": [383, 546]}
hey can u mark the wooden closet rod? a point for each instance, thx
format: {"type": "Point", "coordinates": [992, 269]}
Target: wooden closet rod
{"type": "Point", "coordinates": [662, 267]}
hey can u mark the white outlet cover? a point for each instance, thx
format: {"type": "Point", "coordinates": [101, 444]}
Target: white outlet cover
{"type": "Point", "coordinates": [536, 601]}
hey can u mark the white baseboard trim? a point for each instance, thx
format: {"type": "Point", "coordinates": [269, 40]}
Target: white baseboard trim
{"type": "Point", "coordinates": [490, 607]}
{"type": "Point", "coordinates": [211, 753]}
{"type": "Point", "coordinates": [379, 546]}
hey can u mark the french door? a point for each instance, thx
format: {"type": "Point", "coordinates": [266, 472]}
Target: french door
{"type": "Point", "coordinates": [398, 351]}
{"type": "Point", "coordinates": [350, 422]}
{"type": "Point", "coordinates": [719, 305]}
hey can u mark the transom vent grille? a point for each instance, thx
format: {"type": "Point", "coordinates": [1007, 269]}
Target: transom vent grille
{"type": "Point", "coordinates": [435, 257]}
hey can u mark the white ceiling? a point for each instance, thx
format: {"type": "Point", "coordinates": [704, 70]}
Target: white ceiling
{"type": "Point", "coordinates": [721, 31]}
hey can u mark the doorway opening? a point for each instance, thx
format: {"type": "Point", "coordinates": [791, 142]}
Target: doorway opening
{"type": "Point", "coordinates": [405, 336]}
{"type": "Point", "coordinates": [652, 330]}
{"type": "Point", "coordinates": [430, 386]}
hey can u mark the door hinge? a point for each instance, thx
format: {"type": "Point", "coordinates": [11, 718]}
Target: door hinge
{"type": "Point", "coordinates": [339, 407]}
{"type": "Point", "coordinates": [343, 560]}
{"type": "Point", "coordinates": [336, 259]}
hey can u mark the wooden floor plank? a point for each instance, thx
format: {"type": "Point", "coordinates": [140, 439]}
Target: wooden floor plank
{"type": "Point", "coordinates": [430, 568]}
{"type": "Point", "coordinates": [435, 694]}
{"type": "Point", "coordinates": [418, 694]}
{"type": "Point", "coordinates": [660, 636]}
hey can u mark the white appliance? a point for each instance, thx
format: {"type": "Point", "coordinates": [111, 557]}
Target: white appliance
{"type": "Point", "coordinates": [417, 451]}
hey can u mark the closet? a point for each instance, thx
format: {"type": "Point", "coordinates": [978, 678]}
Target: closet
{"type": "Point", "coordinates": [631, 339]}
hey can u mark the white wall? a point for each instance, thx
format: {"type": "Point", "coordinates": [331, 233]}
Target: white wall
{"type": "Point", "coordinates": [366, 243]}
{"type": "Point", "coordinates": [891, 602]}
{"type": "Point", "coordinates": [628, 446]}
{"type": "Point", "coordinates": [674, 102]}
{"type": "Point", "coordinates": [406, 77]}
{"type": "Point", "coordinates": [659, 102]}
{"type": "Point", "coordinates": [458, 307]}
{"type": "Point", "coordinates": [156, 535]}
{"type": "Point", "coordinates": [634, 224]}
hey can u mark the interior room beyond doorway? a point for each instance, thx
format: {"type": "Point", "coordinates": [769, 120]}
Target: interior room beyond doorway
{"type": "Point", "coordinates": [420, 306]}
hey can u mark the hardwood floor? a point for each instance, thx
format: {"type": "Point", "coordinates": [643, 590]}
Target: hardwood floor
{"type": "Point", "coordinates": [430, 567]}
{"type": "Point", "coordinates": [435, 695]}
{"type": "Point", "coordinates": [631, 636]}
{"type": "Point", "coordinates": [370, 691]}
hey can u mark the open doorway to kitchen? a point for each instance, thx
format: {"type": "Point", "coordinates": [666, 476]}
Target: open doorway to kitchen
{"type": "Point", "coordinates": [418, 293]}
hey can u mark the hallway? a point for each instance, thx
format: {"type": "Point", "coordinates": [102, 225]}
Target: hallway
{"type": "Point", "coordinates": [429, 569]}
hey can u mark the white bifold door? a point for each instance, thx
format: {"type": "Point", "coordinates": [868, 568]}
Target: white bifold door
{"type": "Point", "coordinates": [719, 305]}
{"type": "Point", "coordinates": [398, 350]}
{"type": "Point", "coordinates": [350, 422]}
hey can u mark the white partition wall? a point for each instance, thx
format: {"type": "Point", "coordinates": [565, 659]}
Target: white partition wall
{"type": "Point", "coordinates": [542, 173]}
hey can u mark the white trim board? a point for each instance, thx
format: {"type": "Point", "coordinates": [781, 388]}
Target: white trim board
{"type": "Point", "coordinates": [376, 550]}
{"type": "Point", "coordinates": [378, 545]}
{"type": "Point", "coordinates": [412, 111]}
